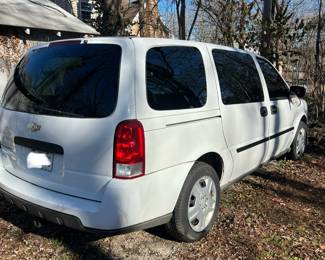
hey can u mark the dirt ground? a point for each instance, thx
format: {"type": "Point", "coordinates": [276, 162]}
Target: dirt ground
{"type": "Point", "coordinates": [278, 212]}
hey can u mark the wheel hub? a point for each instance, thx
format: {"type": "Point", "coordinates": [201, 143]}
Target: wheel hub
{"type": "Point", "coordinates": [202, 203]}
{"type": "Point", "coordinates": [301, 141]}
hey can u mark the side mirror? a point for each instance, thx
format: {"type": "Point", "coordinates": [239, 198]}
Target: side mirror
{"type": "Point", "coordinates": [299, 90]}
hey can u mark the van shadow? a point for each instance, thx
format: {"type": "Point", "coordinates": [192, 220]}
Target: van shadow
{"type": "Point", "coordinates": [292, 189]}
{"type": "Point", "coordinates": [160, 232]}
{"type": "Point", "coordinates": [79, 243]}
{"type": "Point", "coordinates": [317, 149]}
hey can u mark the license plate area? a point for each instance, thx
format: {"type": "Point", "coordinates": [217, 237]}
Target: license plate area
{"type": "Point", "coordinates": [50, 158]}
{"type": "Point", "coordinates": [40, 160]}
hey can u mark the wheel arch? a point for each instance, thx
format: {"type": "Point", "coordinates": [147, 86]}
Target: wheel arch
{"type": "Point", "coordinates": [301, 118]}
{"type": "Point", "coordinates": [304, 119]}
{"type": "Point", "coordinates": [215, 160]}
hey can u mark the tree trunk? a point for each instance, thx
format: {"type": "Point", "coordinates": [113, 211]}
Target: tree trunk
{"type": "Point", "coordinates": [113, 18]}
{"type": "Point", "coordinates": [318, 76]}
{"type": "Point", "coordinates": [141, 18]}
{"type": "Point", "coordinates": [241, 41]}
{"type": "Point", "coordinates": [317, 54]}
{"type": "Point", "coordinates": [266, 47]}
{"type": "Point", "coordinates": [180, 9]}
{"type": "Point", "coordinates": [151, 18]}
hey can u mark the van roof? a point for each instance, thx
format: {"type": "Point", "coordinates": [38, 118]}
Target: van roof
{"type": "Point", "coordinates": [187, 42]}
{"type": "Point", "coordinates": [157, 41]}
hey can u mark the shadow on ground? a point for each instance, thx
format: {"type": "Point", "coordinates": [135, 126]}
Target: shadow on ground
{"type": "Point", "coordinates": [80, 243]}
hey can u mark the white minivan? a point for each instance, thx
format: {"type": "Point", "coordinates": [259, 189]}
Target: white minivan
{"type": "Point", "coordinates": [111, 135]}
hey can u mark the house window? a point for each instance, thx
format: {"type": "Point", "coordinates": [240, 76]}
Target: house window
{"type": "Point", "coordinates": [85, 10]}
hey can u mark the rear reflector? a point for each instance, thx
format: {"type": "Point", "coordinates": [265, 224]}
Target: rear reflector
{"type": "Point", "coordinates": [129, 152]}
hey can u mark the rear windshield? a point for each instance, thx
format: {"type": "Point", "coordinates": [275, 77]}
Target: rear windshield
{"type": "Point", "coordinates": [73, 80]}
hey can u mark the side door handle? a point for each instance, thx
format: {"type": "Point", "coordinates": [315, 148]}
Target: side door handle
{"type": "Point", "coordinates": [263, 111]}
{"type": "Point", "coordinates": [274, 109]}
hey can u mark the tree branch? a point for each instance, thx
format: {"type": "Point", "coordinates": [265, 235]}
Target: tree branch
{"type": "Point", "coordinates": [195, 18]}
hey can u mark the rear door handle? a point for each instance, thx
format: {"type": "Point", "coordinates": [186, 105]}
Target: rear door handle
{"type": "Point", "coordinates": [263, 111]}
{"type": "Point", "coordinates": [274, 109]}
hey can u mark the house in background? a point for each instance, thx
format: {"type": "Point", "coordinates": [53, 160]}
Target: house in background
{"type": "Point", "coordinates": [40, 20]}
{"type": "Point", "coordinates": [80, 8]}
{"type": "Point", "coordinates": [151, 25]}
{"type": "Point", "coordinates": [24, 23]}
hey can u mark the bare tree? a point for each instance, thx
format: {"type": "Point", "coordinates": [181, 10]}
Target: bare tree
{"type": "Point", "coordinates": [318, 75]}
{"type": "Point", "coordinates": [266, 43]}
{"type": "Point", "coordinates": [233, 21]}
{"type": "Point", "coordinates": [181, 7]}
{"type": "Point", "coordinates": [198, 7]}
{"type": "Point", "coordinates": [318, 40]}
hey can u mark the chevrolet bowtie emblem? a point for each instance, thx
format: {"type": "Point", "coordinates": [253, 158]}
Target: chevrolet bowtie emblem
{"type": "Point", "coordinates": [34, 127]}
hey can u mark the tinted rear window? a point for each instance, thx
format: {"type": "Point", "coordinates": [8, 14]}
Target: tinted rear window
{"type": "Point", "coordinates": [175, 78]}
{"type": "Point", "coordinates": [73, 80]}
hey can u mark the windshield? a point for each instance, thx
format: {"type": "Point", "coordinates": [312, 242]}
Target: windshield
{"type": "Point", "coordinates": [73, 80]}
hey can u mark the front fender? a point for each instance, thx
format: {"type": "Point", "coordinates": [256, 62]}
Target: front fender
{"type": "Point", "coordinates": [301, 115]}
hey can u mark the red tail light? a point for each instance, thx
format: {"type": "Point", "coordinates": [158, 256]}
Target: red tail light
{"type": "Point", "coordinates": [129, 154]}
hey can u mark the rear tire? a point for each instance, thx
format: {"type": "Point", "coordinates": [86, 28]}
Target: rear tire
{"type": "Point", "coordinates": [298, 145]}
{"type": "Point", "coordinates": [197, 206]}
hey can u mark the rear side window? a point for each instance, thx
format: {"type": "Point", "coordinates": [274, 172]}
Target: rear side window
{"type": "Point", "coordinates": [175, 78]}
{"type": "Point", "coordinates": [276, 86]}
{"type": "Point", "coordinates": [72, 80]}
{"type": "Point", "coordinates": [238, 77]}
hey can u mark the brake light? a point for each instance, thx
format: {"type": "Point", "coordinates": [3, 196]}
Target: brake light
{"type": "Point", "coordinates": [129, 153]}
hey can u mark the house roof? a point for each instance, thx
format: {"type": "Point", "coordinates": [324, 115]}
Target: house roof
{"type": "Point", "coordinates": [41, 14]}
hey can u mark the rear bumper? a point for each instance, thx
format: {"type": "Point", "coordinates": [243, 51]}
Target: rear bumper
{"type": "Point", "coordinates": [41, 212]}
{"type": "Point", "coordinates": [56, 207]}
{"type": "Point", "coordinates": [127, 205]}
{"type": "Point", "coordinates": [73, 222]}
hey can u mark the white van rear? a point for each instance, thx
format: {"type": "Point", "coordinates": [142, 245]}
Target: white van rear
{"type": "Point", "coordinates": [117, 134]}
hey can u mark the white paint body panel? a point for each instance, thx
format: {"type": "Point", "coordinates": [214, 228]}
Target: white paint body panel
{"type": "Point", "coordinates": [125, 203]}
{"type": "Point", "coordinates": [81, 182]}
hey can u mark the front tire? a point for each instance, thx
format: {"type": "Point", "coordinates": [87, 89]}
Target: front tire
{"type": "Point", "coordinates": [298, 145]}
{"type": "Point", "coordinates": [197, 206]}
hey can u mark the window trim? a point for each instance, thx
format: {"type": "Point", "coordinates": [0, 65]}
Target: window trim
{"type": "Point", "coordinates": [285, 82]}
{"type": "Point", "coordinates": [145, 77]}
{"type": "Point", "coordinates": [217, 75]}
